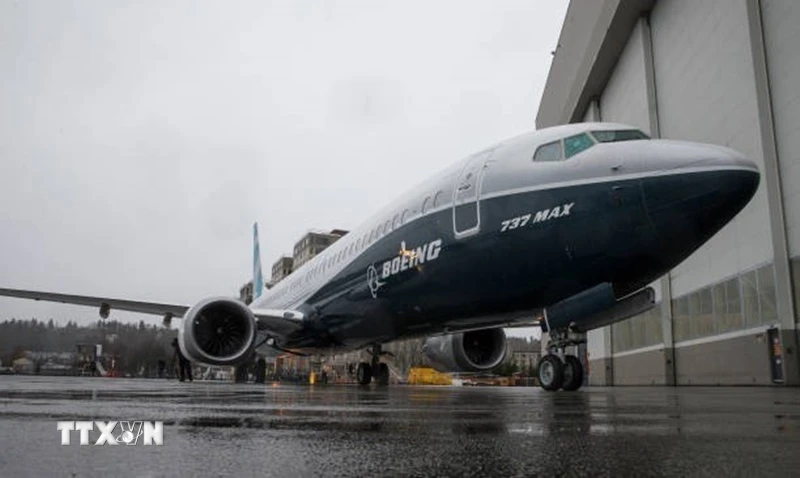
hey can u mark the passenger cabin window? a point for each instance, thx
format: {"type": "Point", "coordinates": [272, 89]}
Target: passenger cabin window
{"type": "Point", "coordinates": [437, 200]}
{"type": "Point", "coordinates": [426, 204]}
{"type": "Point", "coordinates": [576, 144]}
{"type": "Point", "coordinates": [548, 152]}
{"type": "Point", "coordinates": [619, 135]}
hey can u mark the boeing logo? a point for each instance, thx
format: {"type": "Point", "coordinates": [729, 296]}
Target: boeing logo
{"type": "Point", "coordinates": [411, 258]}
{"type": "Point", "coordinates": [373, 281]}
{"type": "Point", "coordinates": [406, 259]}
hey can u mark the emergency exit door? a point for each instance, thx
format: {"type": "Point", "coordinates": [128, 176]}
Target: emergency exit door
{"type": "Point", "coordinates": [466, 197]}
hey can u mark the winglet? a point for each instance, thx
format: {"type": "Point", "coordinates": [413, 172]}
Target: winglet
{"type": "Point", "coordinates": [258, 278]}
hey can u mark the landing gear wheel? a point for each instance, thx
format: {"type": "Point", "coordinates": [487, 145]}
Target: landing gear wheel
{"type": "Point", "coordinates": [573, 373]}
{"type": "Point", "coordinates": [382, 378]}
{"type": "Point", "coordinates": [364, 373]}
{"type": "Point", "coordinates": [551, 372]}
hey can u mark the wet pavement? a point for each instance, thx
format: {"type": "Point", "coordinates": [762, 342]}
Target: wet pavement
{"type": "Point", "coordinates": [216, 428]}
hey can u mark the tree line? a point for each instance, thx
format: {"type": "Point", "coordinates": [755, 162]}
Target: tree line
{"type": "Point", "coordinates": [135, 347]}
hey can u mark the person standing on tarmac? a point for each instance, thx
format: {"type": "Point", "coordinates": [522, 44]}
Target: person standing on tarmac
{"type": "Point", "coordinates": [184, 366]}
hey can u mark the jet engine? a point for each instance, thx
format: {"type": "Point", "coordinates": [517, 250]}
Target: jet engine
{"type": "Point", "coordinates": [218, 331]}
{"type": "Point", "coordinates": [475, 351]}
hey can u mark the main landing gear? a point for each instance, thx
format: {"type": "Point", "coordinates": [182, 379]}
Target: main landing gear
{"type": "Point", "coordinates": [558, 370]}
{"type": "Point", "coordinates": [375, 369]}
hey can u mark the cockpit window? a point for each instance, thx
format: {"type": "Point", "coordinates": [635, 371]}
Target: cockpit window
{"type": "Point", "coordinates": [548, 152]}
{"type": "Point", "coordinates": [575, 144]}
{"type": "Point", "coordinates": [620, 135]}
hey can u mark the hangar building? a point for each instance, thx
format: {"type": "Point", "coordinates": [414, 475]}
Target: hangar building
{"type": "Point", "coordinates": [717, 71]}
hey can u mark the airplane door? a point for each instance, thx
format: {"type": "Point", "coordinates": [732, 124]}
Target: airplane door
{"type": "Point", "coordinates": [466, 197]}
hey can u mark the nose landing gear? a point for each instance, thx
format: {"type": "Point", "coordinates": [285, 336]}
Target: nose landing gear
{"type": "Point", "coordinates": [558, 370]}
{"type": "Point", "coordinates": [573, 373]}
{"type": "Point", "coordinates": [376, 369]}
{"type": "Point", "coordinates": [551, 372]}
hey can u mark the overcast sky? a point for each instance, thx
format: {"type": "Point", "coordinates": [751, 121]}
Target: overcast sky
{"type": "Point", "coordinates": [139, 141]}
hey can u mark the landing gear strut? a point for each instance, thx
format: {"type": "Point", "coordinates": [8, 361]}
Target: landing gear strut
{"type": "Point", "coordinates": [558, 370]}
{"type": "Point", "coordinates": [375, 369]}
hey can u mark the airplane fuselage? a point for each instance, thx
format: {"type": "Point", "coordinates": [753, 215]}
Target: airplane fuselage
{"type": "Point", "coordinates": [499, 235]}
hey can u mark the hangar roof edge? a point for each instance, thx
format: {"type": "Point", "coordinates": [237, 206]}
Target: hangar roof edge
{"type": "Point", "coordinates": [592, 39]}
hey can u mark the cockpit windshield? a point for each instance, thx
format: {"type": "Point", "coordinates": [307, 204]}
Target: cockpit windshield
{"type": "Point", "coordinates": [575, 144]}
{"type": "Point", "coordinates": [618, 135]}
{"type": "Point", "coordinates": [568, 147]}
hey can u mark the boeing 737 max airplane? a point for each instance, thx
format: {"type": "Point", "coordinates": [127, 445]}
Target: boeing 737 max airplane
{"type": "Point", "coordinates": [563, 227]}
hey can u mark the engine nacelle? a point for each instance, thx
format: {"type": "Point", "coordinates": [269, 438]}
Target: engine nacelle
{"type": "Point", "coordinates": [597, 307]}
{"type": "Point", "coordinates": [475, 351]}
{"type": "Point", "coordinates": [218, 331]}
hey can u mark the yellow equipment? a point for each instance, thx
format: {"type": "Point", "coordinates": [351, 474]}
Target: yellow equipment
{"type": "Point", "coordinates": [428, 376]}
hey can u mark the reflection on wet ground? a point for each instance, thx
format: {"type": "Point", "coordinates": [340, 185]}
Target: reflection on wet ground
{"type": "Point", "coordinates": [213, 429]}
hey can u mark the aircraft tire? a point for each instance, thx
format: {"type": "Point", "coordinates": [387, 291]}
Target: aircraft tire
{"type": "Point", "coordinates": [573, 373]}
{"type": "Point", "coordinates": [382, 378]}
{"type": "Point", "coordinates": [551, 372]}
{"type": "Point", "coordinates": [364, 373]}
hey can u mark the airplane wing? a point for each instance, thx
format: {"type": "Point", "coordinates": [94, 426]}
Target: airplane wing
{"type": "Point", "coordinates": [103, 303]}
{"type": "Point", "coordinates": [276, 322]}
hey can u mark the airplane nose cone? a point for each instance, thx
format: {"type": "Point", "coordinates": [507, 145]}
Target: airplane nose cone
{"type": "Point", "coordinates": [734, 179]}
{"type": "Point", "coordinates": [689, 192]}
{"type": "Point", "coordinates": [735, 187]}
{"type": "Point", "coordinates": [670, 154]}
{"type": "Point", "coordinates": [727, 157]}
{"type": "Point", "coordinates": [737, 176]}
{"type": "Point", "coordinates": [704, 188]}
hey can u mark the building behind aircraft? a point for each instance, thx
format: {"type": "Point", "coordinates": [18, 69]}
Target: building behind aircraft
{"type": "Point", "coordinates": [718, 72]}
